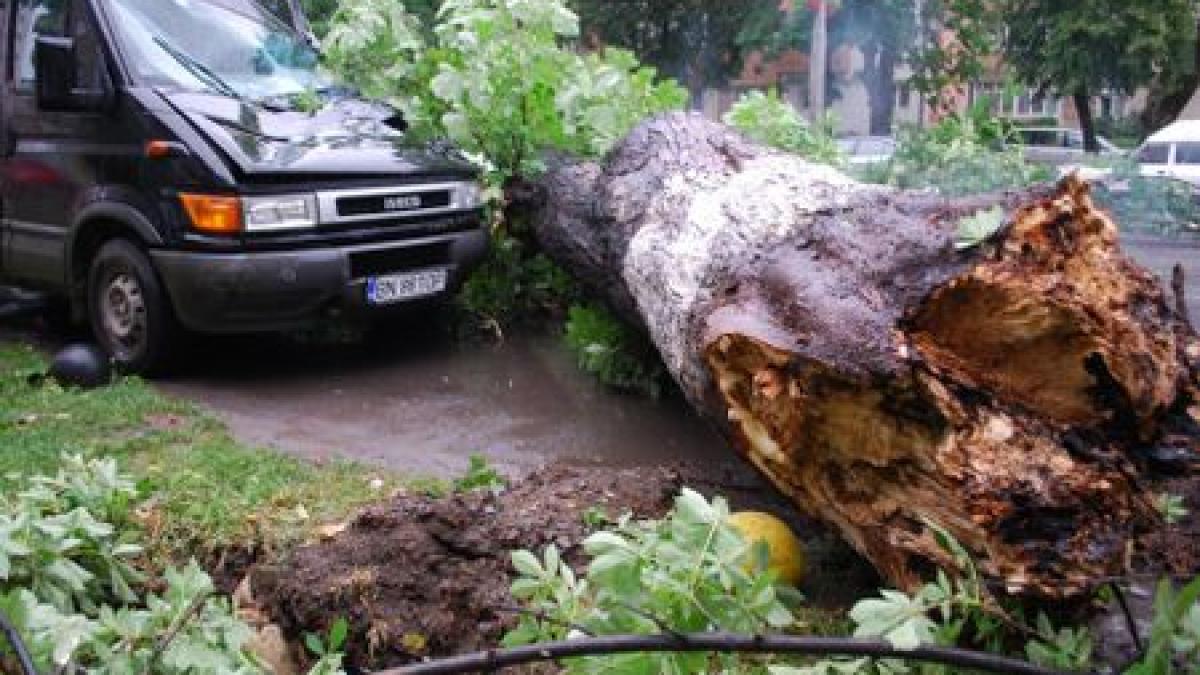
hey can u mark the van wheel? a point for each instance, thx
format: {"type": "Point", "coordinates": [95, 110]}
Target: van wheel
{"type": "Point", "coordinates": [128, 308]}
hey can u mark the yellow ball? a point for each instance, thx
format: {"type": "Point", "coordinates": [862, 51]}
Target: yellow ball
{"type": "Point", "coordinates": [785, 556]}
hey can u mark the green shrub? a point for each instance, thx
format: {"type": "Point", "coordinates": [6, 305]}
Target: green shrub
{"type": "Point", "coordinates": [960, 155]}
{"type": "Point", "coordinates": [767, 119]}
{"type": "Point", "coordinates": [957, 610]}
{"type": "Point", "coordinates": [505, 81]}
{"type": "Point", "coordinates": [499, 77]}
{"type": "Point", "coordinates": [68, 583]}
{"type": "Point", "coordinates": [688, 572]}
{"type": "Point", "coordinates": [613, 352]}
{"type": "Point", "coordinates": [1174, 630]}
{"type": "Point", "coordinates": [514, 285]}
{"type": "Point", "coordinates": [1140, 203]}
{"type": "Point", "coordinates": [1124, 132]}
{"type": "Point", "coordinates": [480, 475]}
{"type": "Point", "coordinates": [56, 540]}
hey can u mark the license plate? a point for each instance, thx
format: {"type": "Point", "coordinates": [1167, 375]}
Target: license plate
{"type": "Point", "coordinates": [396, 287]}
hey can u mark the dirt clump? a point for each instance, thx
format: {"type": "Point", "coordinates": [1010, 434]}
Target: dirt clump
{"type": "Point", "coordinates": [420, 575]}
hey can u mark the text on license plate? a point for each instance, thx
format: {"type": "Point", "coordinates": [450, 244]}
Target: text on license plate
{"type": "Point", "coordinates": [395, 287]}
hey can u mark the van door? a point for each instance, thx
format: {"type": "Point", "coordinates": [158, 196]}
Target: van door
{"type": "Point", "coordinates": [53, 157]}
{"type": "Point", "coordinates": [5, 136]}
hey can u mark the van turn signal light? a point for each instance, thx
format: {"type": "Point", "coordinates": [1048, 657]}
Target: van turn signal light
{"type": "Point", "coordinates": [158, 149]}
{"type": "Point", "coordinates": [213, 214]}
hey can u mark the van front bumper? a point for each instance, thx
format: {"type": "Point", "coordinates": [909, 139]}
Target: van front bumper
{"type": "Point", "coordinates": [280, 290]}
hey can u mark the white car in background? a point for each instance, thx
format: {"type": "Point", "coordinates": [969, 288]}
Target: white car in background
{"type": "Point", "coordinates": [1172, 152]}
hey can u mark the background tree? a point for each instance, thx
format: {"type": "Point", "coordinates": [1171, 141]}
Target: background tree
{"type": "Point", "coordinates": [698, 42]}
{"type": "Point", "coordinates": [955, 38]}
{"type": "Point", "coordinates": [1082, 48]}
{"type": "Point", "coordinates": [890, 33]}
{"type": "Point", "coordinates": [319, 12]}
{"type": "Point", "coordinates": [1172, 88]}
{"type": "Point", "coordinates": [885, 31]}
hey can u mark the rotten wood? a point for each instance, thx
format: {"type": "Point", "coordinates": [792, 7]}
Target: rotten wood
{"type": "Point", "coordinates": [881, 378]}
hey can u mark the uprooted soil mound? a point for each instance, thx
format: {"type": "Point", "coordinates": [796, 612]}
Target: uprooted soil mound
{"type": "Point", "coordinates": [422, 576]}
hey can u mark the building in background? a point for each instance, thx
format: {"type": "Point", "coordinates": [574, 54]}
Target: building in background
{"type": "Point", "coordinates": [849, 103]}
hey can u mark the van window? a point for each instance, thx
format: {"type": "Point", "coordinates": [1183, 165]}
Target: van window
{"type": "Point", "coordinates": [35, 17]}
{"type": "Point", "coordinates": [1154, 153]}
{"type": "Point", "coordinates": [168, 43]}
{"type": "Point", "coordinates": [1187, 153]}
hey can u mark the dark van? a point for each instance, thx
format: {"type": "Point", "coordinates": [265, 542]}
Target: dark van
{"type": "Point", "coordinates": [185, 165]}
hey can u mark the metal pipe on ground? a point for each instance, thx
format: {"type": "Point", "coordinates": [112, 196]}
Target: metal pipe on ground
{"type": "Point", "coordinates": [486, 661]}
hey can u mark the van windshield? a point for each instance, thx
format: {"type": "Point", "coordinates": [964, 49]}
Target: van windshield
{"type": "Point", "coordinates": [230, 47]}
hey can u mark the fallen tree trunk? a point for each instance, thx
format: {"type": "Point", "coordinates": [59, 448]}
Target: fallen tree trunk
{"type": "Point", "coordinates": [882, 379]}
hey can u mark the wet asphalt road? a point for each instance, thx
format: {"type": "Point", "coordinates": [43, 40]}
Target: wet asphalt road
{"type": "Point", "coordinates": [1160, 254]}
{"type": "Point", "coordinates": [422, 403]}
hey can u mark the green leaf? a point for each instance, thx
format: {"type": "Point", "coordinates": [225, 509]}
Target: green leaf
{"type": "Point", "coordinates": [895, 617]}
{"type": "Point", "coordinates": [603, 542]}
{"type": "Point", "coordinates": [69, 633]}
{"type": "Point", "coordinates": [974, 229]}
{"type": "Point", "coordinates": [447, 84]}
{"type": "Point", "coordinates": [527, 563]}
{"type": "Point", "coordinates": [609, 562]}
{"type": "Point", "coordinates": [337, 634]}
{"type": "Point", "coordinates": [524, 588]}
{"type": "Point", "coordinates": [690, 506]}
{"type": "Point", "coordinates": [313, 642]}
{"type": "Point", "coordinates": [779, 616]}
{"type": "Point", "coordinates": [550, 559]}
{"type": "Point", "coordinates": [69, 573]}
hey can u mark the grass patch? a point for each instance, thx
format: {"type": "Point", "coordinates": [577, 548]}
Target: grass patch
{"type": "Point", "coordinates": [202, 491]}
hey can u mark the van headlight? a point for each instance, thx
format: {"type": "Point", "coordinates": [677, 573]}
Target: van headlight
{"type": "Point", "coordinates": [468, 196]}
{"type": "Point", "coordinates": [279, 212]}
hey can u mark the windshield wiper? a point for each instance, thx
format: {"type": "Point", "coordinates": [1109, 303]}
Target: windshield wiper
{"type": "Point", "coordinates": [199, 70]}
{"type": "Point", "coordinates": [288, 100]}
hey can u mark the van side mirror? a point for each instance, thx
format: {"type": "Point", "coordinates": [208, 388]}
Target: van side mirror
{"type": "Point", "coordinates": [56, 70]}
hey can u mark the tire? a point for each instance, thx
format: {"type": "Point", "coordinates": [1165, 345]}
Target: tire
{"type": "Point", "coordinates": [128, 309]}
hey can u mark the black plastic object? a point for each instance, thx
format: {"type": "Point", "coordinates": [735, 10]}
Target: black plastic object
{"type": "Point", "coordinates": [81, 365]}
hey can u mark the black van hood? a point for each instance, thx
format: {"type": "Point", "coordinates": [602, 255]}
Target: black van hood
{"type": "Point", "coordinates": [347, 136]}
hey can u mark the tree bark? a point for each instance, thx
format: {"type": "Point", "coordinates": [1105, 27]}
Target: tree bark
{"type": "Point", "coordinates": [879, 76]}
{"type": "Point", "coordinates": [882, 379]}
{"type": "Point", "coordinates": [1087, 124]}
{"type": "Point", "coordinates": [1168, 96]}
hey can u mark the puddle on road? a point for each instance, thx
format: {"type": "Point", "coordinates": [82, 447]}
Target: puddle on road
{"type": "Point", "coordinates": [422, 404]}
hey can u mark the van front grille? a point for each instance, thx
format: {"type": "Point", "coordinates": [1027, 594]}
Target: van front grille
{"type": "Point", "coordinates": [390, 205]}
